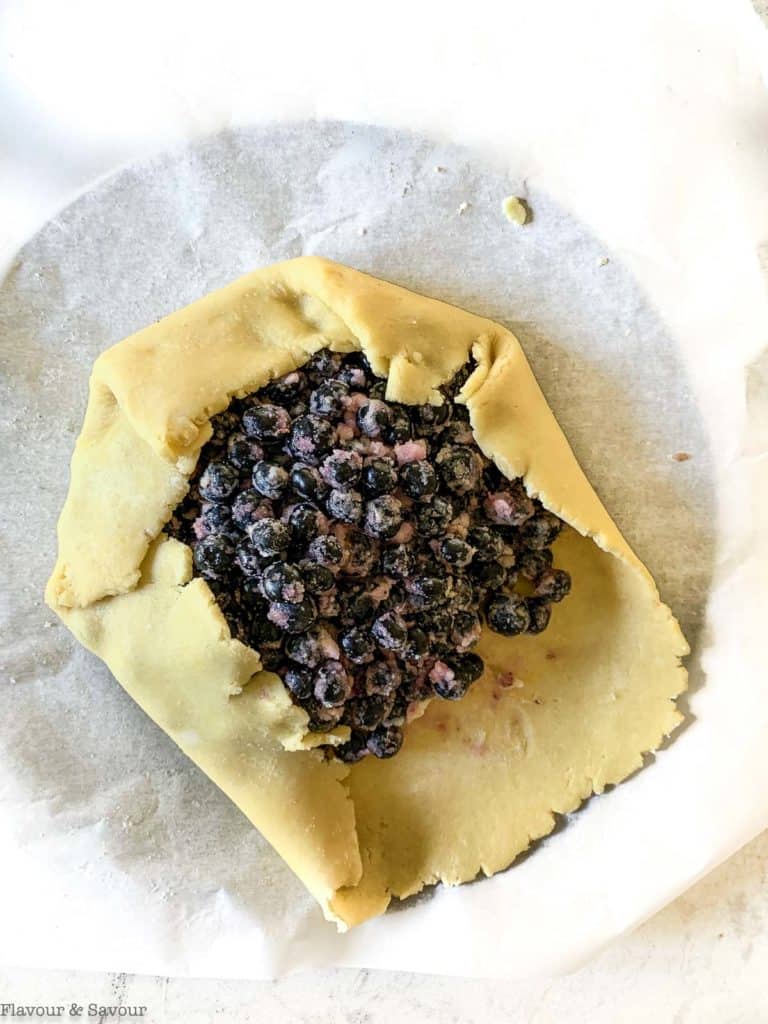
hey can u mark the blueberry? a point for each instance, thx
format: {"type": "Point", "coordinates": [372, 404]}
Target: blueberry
{"type": "Point", "coordinates": [263, 632]}
{"type": "Point", "coordinates": [539, 612]}
{"type": "Point", "coordinates": [455, 551]}
{"type": "Point", "coordinates": [439, 622]}
{"type": "Point", "coordinates": [418, 479]}
{"type": "Point", "coordinates": [390, 632]}
{"type": "Point", "coordinates": [287, 389]}
{"type": "Point", "coordinates": [399, 429]}
{"type": "Point", "coordinates": [383, 516]}
{"type": "Point", "coordinates": [269, 536]}
{"type": "Point", "coordinates": [488, 544]}
{"type": "Point", "coordinates": [381, 677]}
{"type": "Point", "coordinates": [373, 417]}
{"type": "Point", "coordinates": [416, 646]}
{"type": "Point", "coordinates": [306, 522]}
{"type": "Point", "coordinates": [541, 530]}
{"type": "Point", "coordinates": [553, 585]}
{"type": "Point", "coordinates": [397, 560]}
{"type": "Point", "coordinates": [490, 575]}
{"type": "Point", "coordinates": [456, 432]}
{"type": "Point", "coordinates": [323, 365]}
{"type": "Point", "coordinates": [217, 481]}
{"type": "Point", "coordinates": [325, 550]}
{"type": "Point", "coordinates": [307, 482]}
{"type": "Point", "coordinates": [283, 582]}
{"type": "Point", "coordinates": [465, 630]}
{"type": "Point", "coordinates": [300, 682]}
{"type": "Point", "coordinates": [459, 467]}
{"type": "Point", "coordinates": [353, 750]}
{"type": "Point", "coordinates": [426, 591]}
{"type": "Point", "coordinates": [311, 647]}
{"type": "Point", "coordinates": [341, 468]}
{"type": "Point", "coordinates": [510, 506]}
{"type": "Point", "coordinates": [321, 718]}
{"type": "Point", "coordinates": [433, 517]}
{"type": "Point", "coordinates": [359, 608]}
{"type": "Point", "coordinates": [329, 399]}
{"type": "Point", "coordinates": [452, 678]}
{"type": "Point", "coordinates": [332, 683]}
{"type": "Point", "coordinates": [317, 579]}
{"type": "Point", "coordinates": [360, 553]}
{"type": "Point", "coordinates": [213, 556]}
{"type": "Point", "coordinates": [311, 438]}
{"type": "Point", "coordinates": [365, 713]}
{"type": "Point", "coordinates": [248, 559]}
{"type": "Point", "coordinates": [508, 614]}
{"type": "Point", "coordinates": [357, 646]}
{"type": "Point", "coordinates": [269, 424]}
{"type": "Point", "coordinates": [428, 418]}
{"type": "Point", "coordinates": [379, 477]}
{"type": "Point", "coordinates": [293, 617]}
{"type": "Point", "coordinates": [216, 519]}
{"type": "Point", "coordinates": [533, 564]}
{"type": "Point", "coordinates": [272, 659]}
{"type": "Point", "coordinates": [385, 741]}
{"type": "Point", "coordinates": [242, 452]}
{"type": "Point", "coordinates": [345, 506]}
{"type": "Point", "coordinates": [269, 479]}
{"type": "Point", "coordinates": [248, 507]}
{"type": "Point", "coordinates": [355, 377]}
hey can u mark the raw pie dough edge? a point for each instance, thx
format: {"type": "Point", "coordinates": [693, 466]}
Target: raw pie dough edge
{"type": "Point", "coordinates": [150, 402]}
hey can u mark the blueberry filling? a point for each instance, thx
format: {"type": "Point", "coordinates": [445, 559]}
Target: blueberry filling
{"type": "Point", "coordinates": [360, 545]}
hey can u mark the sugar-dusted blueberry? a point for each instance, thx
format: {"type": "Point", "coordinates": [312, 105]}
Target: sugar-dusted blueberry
{"type": "Point", "coordinates": [217, 481]}
{"type": "Point", "coordinates": [460, 468]}
{"type": "Point", "coordinates": [293, 617]}
{"type": "Point", "coordinates": [539, 612]}
{"type": "Point", "coordinates": [488, 543]}
{"type": "Point", "coordinates": [385, 741]}
{"type": "Point", "coordinates": [553, 585]}
{"type": "Point", "coordinates": [242, 452]}
{"type": "Point", "coordinates": [269, 536]}
{"type": "Point", "coordinates": [341, 468]}
{"type": "Point", "coordinates": [355, 377]}
{"type": "Point", "coordinates": [532, 564]}
{"type": "Point", "coordinates": [333, 684]}
{"type": "Point", "coordinates": [323, 365]}
{"type": "Point", "coordinates": [283, 582]}
{"type": "Point", "coordinates": [311, 438]}
{"type": "Point", "coordinates": [382, 677]}
{"type": "Point", "coordinates": [418, 479]}
{"type": "Point", "coordinates": [306, 522]}
{"type": "Point", "coordinates": [299, 681]}
{"type": "Point", "coordinates": [248, 560]}
{"type": "Point", "coordinates": [269, 479]}
{"type": "Point", "coordinates": [268, 424]}
{"type": "Point", "coordinates": [508, 614]}
{"type": "Point", "coordinates": [325, 550]}
{"type": "Point", "coordinates": [213, 555]}
{"type": "Point", "coordinates": [358, 646]}
{"type": "Point", "coordinates": [390, 631]}
{"type": "Point", "coordinates": [399, 429]}
{"type": "Point", "coordinates": [365, 713]}
{"type": "Point", "coordinates": [510, 506]}
{"type": "Point", "coordinates": [215, 518]}
{"type": "Point", "coordinates": [354, 750]}
{"type": "Point", "coordinates": [452, 677]}
{"type": "Point", "coordinates": [321, 718]}
{"type": "Point", "coordinates": [488, 574]}
{"type": "Point", "coordinates": [248, 507]}
{"type": "Point", "coordinates": [329, 398]}
{"type": "Point", "coordinates": [455, 551]}
{"type": "Point", "coordinates": [383, 516]}
{"type": "Point", "coordinates": [359, 608]}
{"type": "Point", "coordinates": [433, 516]}
{"type": "Point", "coordinates": [346, 506]}
{"type": "Point", "coordinates": [397, 560]}
{"type": "Point", "coordinates": [317, 578]}
{"type": "Point", "coordinates": [379, 476]}
{"type": "Point", "coordinates": [307, 482]}
{"type": "Point", "coordinates": [541, 530]}
{"type": "Point", "coordinates": [465, 630]}
{"type": "Point", "coordinates": [427, 590]}
{"type": "Point", "coordinates": [416, 646]}
{"type": "Point", "coordinates": [286, 390]}
{"type": "Point", "coordinates": [311, 647]}
{"type": "Point", "coordinates": [373, 416]}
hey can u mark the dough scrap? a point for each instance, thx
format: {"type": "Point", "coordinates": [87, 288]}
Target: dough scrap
{"type": "Point", "coordinates": [555, 718]}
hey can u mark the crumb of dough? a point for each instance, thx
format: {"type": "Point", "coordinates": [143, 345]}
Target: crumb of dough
{"type": "Point", "coordinates": [363, 231]}
{"type": "Point", "coordinates": [439, 170]}
{"type": "Point", "coordinates": [603, 262]}
{"type": "Point", "coordinates": [681, 456]}
{"type": "Point", "coordinates": [515, 210]}
{"type": "Point", "coordinates": [463, 207]}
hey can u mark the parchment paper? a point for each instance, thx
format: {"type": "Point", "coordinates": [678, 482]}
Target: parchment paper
{"type": "Point", "coordinates": [116, 852]}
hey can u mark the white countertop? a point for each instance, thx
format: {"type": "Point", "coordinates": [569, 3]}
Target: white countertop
{"type": "Point", "coordinates": [702, 960]}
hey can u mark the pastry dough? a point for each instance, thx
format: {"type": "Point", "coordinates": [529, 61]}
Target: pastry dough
{"type": "Point", "coordinates": [556, 716]}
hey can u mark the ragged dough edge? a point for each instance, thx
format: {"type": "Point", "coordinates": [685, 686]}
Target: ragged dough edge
{"type": "Point", "coordinates": [152, 397]}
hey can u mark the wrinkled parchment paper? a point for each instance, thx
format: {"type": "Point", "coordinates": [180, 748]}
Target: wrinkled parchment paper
{"type": "Point", "coordinates": [116, 852]}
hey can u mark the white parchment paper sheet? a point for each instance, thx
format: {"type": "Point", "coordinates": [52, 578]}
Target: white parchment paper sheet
{"type": "Point", "coordinates": [116, 853]}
